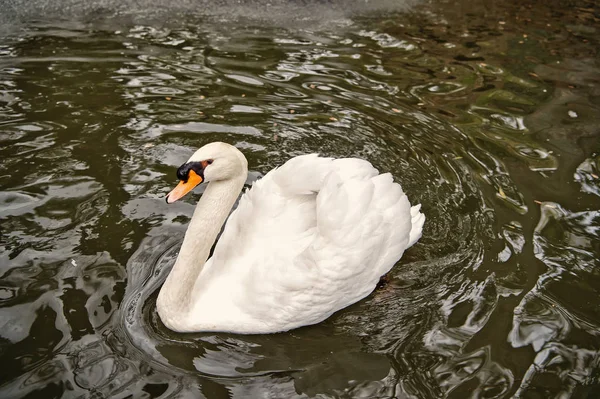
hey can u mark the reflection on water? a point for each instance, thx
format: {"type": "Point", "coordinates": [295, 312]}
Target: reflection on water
{"type": "Point", "coordinates": [487, 114]}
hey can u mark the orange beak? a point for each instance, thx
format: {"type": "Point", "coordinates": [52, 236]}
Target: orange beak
{"type": "Point", "coordinates": [184, 187]}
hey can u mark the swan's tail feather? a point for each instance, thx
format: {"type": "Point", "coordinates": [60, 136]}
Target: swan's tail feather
{"type": "Point", "coordinates": [417, 221]}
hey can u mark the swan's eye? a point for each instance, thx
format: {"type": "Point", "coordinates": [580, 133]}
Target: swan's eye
{"type": "Point", "coordinates": [184, 170]}
{"type": "Point", "coordinates": [206, 163]}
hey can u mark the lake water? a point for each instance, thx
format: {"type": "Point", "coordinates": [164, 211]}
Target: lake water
{"type": "Point", "coordinates": [488, 113]}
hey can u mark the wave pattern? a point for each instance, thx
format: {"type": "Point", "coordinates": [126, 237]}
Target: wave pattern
{"type": "Point", "coordinates": [491, 125]}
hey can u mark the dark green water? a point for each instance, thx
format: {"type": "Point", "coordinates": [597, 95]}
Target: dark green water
{"type": "Point", "coordinates": [487, 113]}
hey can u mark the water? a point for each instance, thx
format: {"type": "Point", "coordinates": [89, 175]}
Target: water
{"type": "Point", "coordinates": [487, 113]}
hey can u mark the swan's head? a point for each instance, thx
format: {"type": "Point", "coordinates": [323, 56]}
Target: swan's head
{"type": "Point", "coordinates": [214, 161]}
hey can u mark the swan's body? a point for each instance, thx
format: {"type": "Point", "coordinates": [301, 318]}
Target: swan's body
{"type": "Point", "coordinates": [308, 239]}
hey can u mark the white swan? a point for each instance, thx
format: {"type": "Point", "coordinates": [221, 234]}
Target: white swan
{"type": "Point", "coordinates": [308, 239]}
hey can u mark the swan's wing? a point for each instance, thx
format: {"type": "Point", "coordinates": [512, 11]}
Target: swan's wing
{"type": "Point", "coordinates": [310, 238]}
{"type": "Point", "coordinates": [365, 225]}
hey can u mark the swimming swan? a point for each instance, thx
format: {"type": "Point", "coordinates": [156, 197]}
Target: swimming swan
{"type": "Point", "coordinates": [308, 239]}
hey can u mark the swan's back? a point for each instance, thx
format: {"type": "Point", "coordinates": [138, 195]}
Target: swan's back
{"type": "Point", "coordinates": [308, 239]}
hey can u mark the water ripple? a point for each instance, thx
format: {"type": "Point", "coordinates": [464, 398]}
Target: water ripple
{"type": "Point", "coordinates": [490, 124]}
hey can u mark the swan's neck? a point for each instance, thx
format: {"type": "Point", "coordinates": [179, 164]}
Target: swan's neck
{"type": "Point", "coordinates": [174, 300]}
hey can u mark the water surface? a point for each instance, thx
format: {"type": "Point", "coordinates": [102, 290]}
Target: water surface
{"type": "Point", "coordinates": [487, 113]}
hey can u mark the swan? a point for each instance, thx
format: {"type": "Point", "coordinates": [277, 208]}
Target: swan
{"type": "Point", "coordinates": [308, 239]}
